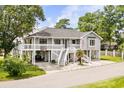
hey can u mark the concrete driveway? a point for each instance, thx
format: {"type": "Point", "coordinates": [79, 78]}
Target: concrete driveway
{"type": "Point", "coordinates": [69, 78]}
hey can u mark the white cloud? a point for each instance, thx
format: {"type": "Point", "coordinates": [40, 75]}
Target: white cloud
{"type": "Point", "coordinates": [70, 12]}
{"type": "Point", "coordinates": [47, 23]}
{"type": "Point", "coordinates": [74, 12]}
{"type": "Point", "coordinates": [50, 22]}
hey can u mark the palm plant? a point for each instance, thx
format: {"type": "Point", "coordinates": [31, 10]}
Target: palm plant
{"type": "Point", "coordinates": [79, 54]}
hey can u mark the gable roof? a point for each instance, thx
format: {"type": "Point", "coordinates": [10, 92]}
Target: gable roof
{"type": "Point", "coordinates": [93, 33]}
{"type": "Point", "coordinates": [54, 32]}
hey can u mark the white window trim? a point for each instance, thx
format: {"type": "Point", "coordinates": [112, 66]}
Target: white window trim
{"type": "Point", "coordinates": [90, 40]}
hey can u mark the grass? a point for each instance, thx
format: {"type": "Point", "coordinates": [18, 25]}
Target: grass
{"type": "Point", "coordinates": [111, 58]}
{"type": "Point", "coordinates": [1, 58]}
{"type": "Point", "coordinates": [111, 83]}
{"type": "Point", "coordinates": [31, 72]}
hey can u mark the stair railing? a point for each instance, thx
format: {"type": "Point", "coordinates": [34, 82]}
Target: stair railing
{"type": "Point", "coordinates": [60, 55]}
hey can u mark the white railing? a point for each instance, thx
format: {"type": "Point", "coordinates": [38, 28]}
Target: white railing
{"type": "Point", "coordinates": [46, 46]}
{"type": "Point", "coordinates": [75, 46]}
{"type": "Point", "coordinates": [40, 46]}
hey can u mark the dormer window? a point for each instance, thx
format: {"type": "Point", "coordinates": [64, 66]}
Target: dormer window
{"type": "Point", "coordinates": [92, 42]}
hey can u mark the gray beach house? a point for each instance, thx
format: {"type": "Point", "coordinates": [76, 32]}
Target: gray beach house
{"type": "Point", "coordinates": [60, 45]}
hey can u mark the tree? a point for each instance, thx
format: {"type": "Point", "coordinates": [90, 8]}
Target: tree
{"type": "Point", "coordinates": [79, 54]}
{"type": "Point", "coordinates": [120, 24]}
{"type": "Point", "coordinates": [87, 22]}
{"type": "Point", "coordinates": [120, 16]}
{"type": "Point", "coordinates": [119, 38]}
{"type": "Point", "coordinates": [102, 22]}
{"type": "Point", "coordinates": [109, 22]}
{"type": "Point", "coordinates": [92, 22]}
{"type": "Point", "coordinates": [63, 23]}
{"type": "Point", "coordinates": [15, 21]}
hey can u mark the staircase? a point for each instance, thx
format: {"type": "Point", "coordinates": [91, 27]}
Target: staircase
{"type": "Point", "coordinates": [63, 57]}
{"type": "Point", "coordinates": [86, 59]}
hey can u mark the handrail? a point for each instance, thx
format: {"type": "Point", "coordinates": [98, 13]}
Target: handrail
{"type": "Point", "coordinates": [60, 55]}
{"type": "Point", "coordinates": [66, 55]}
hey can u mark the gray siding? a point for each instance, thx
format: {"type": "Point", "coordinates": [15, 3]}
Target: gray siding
{"type": "Point", "coordinates": [85, 42]}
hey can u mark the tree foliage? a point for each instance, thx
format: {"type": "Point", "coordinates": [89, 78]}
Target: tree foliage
{"type": "Point", "coordinates": [107, 22]}
{"type": "Point", "coordinates": [63, 23]}
{"type": "Point", "coordinates": [15, 21]}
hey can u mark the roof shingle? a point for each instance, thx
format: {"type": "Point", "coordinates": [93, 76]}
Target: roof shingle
{"type": "Point", "coordinates": [54, 32]}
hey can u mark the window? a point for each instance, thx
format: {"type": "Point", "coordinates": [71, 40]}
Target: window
{"type": "Point", "coordinates": [57, 41]}
{"type": "Point", "coordinates": [43, 41]}
{"type": "Point", "coordinates": [76, 41]}
{"type": "Point", "coordinates": [92, 42]}
{"type": "Point", "coordinates": [73, 42]}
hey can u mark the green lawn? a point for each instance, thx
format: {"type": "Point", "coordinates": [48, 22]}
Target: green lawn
{"type": "Point", "coordinates": [31, 72]}
{"type": "Point", "coordinates": [1, 57]}
{"type": "Point", "coordinates": [111, 83]}
{"type": "Point", "coordinates": [111, 58]}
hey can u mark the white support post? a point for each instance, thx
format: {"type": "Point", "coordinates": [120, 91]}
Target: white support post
{"type": "Point", "coordinates": [122, 55]}
{"type": "Point", "coordinates": [33, 57]}
{"type": "Point", "coordinates": [20, 54]}
{"type": "Point", "coordinates": [68, 58]}
{"type": "Point", "coordinates": [114, 53]}
{"type": "Point", "coordinates": [99, 54]}
{"type": "Point", "coordinates": [74, 57]}
{"type": "Point", "coordinates": [34, 52]}
{"type": "Point", "coordinates": [52, 43]}
{"type": "Point", "coordinates": [106, 52]}
{"type": "Point", "coordinates": [49, 56]}
{"type": "Point", "coordinates": [90, 55]}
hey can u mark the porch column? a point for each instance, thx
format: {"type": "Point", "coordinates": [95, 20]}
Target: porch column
{"type": "Point", "coordinates": [68, 58]}
{"type": "Point", "coordinates": [33, 52]}
{"type": "Point", "coordinates": [106, 52]}
{"type": "Point", "coordinates": [21, 54]}
{"type": "Point", "coordinates": [74, 57]}
{"type": "Point", "coordinates": [99, 54]}
{"type": "Point", "coordinates": [52, 50]}
{"type": "Point", "coordinates": [90, 55]}
{"type": "Point", "coordinates": [49, 56]}
{"type": "Point", "coordinates": [33, 57]}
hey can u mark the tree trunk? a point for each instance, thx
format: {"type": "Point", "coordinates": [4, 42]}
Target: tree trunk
{"type": "Point", "coordinates": [5, 53]}
{"type": "Point", "coordinates": [110, 44]}
{"type": "Point", "coordinates": [80, 60]}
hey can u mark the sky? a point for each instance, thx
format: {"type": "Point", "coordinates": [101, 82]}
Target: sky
{"type": "Point", "coordinates": [53, 13]}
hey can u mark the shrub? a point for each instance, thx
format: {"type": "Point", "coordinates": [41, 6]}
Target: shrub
{"type": "Point", "coordinates": [26, 58]}
{"type": "Point", "coordinates": [53, 61]}
{"type": "Point", "coordinates": [14, 66]}
{"type": "Point", "coordinates": [1, 65]}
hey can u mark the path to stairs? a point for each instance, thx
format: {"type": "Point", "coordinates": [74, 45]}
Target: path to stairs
{"type": "Point", "coordinates": [69, 78]}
